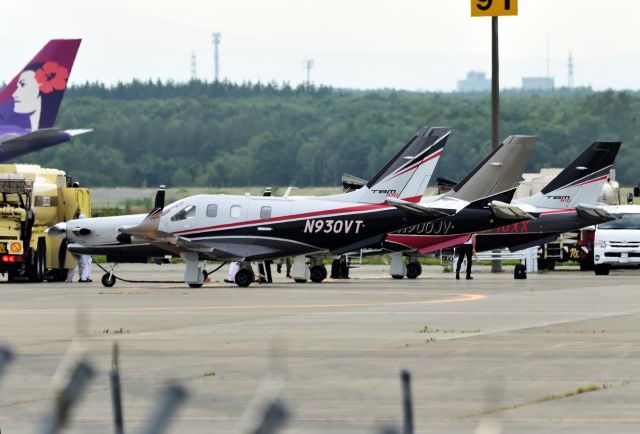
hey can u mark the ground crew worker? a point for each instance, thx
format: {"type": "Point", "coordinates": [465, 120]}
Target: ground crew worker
{"type": "Point", "coordinates": [82, 263]}
{"type": "Point", "coordinates": [233, 269]}
{"type": "Point", "coordinates": [467, 249]}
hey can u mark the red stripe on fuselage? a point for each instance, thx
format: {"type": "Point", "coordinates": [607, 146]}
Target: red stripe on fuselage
{"type": "Point", "coordinates": [368, 207]}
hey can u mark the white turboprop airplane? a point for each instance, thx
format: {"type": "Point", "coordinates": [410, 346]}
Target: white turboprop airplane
{"type": "Point", "coordinates": [249, 228]}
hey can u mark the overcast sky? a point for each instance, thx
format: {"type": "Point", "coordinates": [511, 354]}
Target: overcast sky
{"type": "Point", "coordinates": [404, 44]}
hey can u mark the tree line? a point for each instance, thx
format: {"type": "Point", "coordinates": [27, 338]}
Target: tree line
{"type": "Point", "coordinates": [226, 134]}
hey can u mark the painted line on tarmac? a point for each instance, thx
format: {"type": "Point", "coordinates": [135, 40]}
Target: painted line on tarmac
{"type": "Point", "coordinates": [455, 298]}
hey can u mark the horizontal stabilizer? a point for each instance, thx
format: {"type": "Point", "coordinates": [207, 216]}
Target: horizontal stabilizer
{"type": "Point", "coordinates": [594, 213]}
{"type": "Point", "coordinates": [77, 132]}
{"type": "Point", "coordinates": [508, 212]}
{"type": "Point", "coordinates": [350, 182]}
{"type": "Point", "coordinates": [505, 197]}
{"type": "Point", "coordinates": [416, 209]}
{"type": "Point", "coordinates": [39, 139]}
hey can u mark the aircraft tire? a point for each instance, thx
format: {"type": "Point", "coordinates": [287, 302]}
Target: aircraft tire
{"type": "Point", "coordinates": [414, 269]}
{"type": "Point", "coordinates": [108, 280]}
{"type": "Point", "coordinates": [317, 273]}
{"type": "Point", "coordinates": [244, 277]}
{"type": "Point", "coordinates": [602, 270]}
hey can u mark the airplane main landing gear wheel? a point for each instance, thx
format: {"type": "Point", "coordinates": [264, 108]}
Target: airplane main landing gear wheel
{"type": "Point", "coordinates": [317, 273]}
{"type": "Point", "coordinates": [414, 269]}
{"type": "Point", "coordinates": [108, 280]}
{"type": "Point", "coordinates": [244, 277]}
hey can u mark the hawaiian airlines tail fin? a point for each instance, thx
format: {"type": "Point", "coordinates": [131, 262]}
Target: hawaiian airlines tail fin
{"type": "Point", "coordinates": [32, 99]}
{"type": "Point", "coordinates": [500, 171]}
{"type": "Point", "coordinates": [581, 181]}
{"type": "Point", "coordinates": [407, 174]}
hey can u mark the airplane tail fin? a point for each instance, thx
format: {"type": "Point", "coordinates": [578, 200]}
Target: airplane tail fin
{"type": "Point", "coordinates": [499, 171]}
{"type": "Point", "coordinates": [407, 174]}
{"type": "Point", "coordinates": [39, 87]}
{"type": "Point", "coordinates": [581, 181]}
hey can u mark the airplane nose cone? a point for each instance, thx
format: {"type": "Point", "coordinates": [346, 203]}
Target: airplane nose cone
{"type": "Point", "coordinates": [58, 231]}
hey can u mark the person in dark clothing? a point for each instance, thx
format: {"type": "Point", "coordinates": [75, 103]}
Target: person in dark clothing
{"type": "Point", "coordinates": [467, 249]}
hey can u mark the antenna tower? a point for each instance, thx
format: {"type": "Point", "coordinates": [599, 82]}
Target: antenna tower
{"type": "Point", "coordinates": [308, 64]}
{"type": "Point", "coordinates": [547, 54]}
{"type": "Point", "coordinates": [216, 58]}
{"type": "Point", "coordinates": [570, 70]}
{"type": "Point", "coordinates": [194, 71]}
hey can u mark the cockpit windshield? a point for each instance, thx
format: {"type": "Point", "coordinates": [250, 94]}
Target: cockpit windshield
{"type": "Point", "coordinates": [187, 212]}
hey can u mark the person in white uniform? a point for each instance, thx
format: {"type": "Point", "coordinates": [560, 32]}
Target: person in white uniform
{"type": "Point", "coordinates": [83, 264]}
{"type": "Point", "coordinates": [233, 269]}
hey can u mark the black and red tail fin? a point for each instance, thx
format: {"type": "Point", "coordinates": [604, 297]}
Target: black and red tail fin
{"type": "Point", "coordinates": [581, 181]}
{"type": "Point", "coordinates": [407, 174]}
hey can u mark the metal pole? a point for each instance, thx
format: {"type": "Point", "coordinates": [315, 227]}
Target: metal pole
{"type": "Point", "coordinates": [495, 85]}
{"type": "Point", "coordinates": [116, 393]}
{"type": "Point", "coordinates": [496, 265]}
{"type": "Point", "coordinates": [407, 404]}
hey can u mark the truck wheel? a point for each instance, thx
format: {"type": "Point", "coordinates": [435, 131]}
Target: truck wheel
{"type": "Point", "coordinates": [602, 269]}
{"type": "Point", "coordinates": [414, 269]}
{"type": "Point", "coordinates": [397, 276]}
{"type": "Point", "coordinates": [35, 267]}
{"type": "Point", "coordinates": [317, 273]}
{"type": "Point", "coordinates": [108, 280]}
{"type": "Point", "coordinates": [41, 258]}
{"type": "Point", "coordinates": [300, 280]}
{"type": "Point", "coordinates": [244, 277]}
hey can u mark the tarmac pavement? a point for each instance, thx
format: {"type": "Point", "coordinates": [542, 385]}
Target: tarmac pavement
{"type": "Point", "coordinates": [489, 355]}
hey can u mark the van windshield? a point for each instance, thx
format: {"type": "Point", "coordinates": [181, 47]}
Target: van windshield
{"type": "Point", "coordinates": [626, 221]}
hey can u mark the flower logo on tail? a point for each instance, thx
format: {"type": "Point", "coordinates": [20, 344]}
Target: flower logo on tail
{"type": "Point", "coordinates": [52, 77]}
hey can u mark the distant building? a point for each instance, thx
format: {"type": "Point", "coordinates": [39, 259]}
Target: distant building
{"type": "Point", "coordinates": [537, 83]}
{"type": "Point", "coordinates": [476, 81]}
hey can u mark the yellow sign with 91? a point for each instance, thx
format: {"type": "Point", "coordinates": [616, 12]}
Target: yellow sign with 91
{"type": "Point", "coordinates": [493, 8]}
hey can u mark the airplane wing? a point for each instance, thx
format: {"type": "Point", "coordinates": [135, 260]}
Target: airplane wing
{"type": "Point", "coordinates": [594, 213]}
{"type": "Point", "coordinates": [508, 212]}
{"type": "Point", "coordinates": [226, 250]}
{"type": "Point", "coordinates": [419, 210]}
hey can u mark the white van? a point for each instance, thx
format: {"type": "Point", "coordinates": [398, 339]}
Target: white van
{"type": "Point", "coordinates": [617, 243]}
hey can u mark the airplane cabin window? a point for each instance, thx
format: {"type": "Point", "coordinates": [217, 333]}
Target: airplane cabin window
{"type": "Point", "coordinates": [187, 212]}
{"type": "Point", "coordinates": [265, 212]}
{"type": "Point", "coordinates": [212, 210]}
{"type": "Point", "coordinates": [235, 211]}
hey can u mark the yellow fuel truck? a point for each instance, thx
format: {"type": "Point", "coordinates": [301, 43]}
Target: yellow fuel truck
{"type": "Point", "coordinates": [32, 199]}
